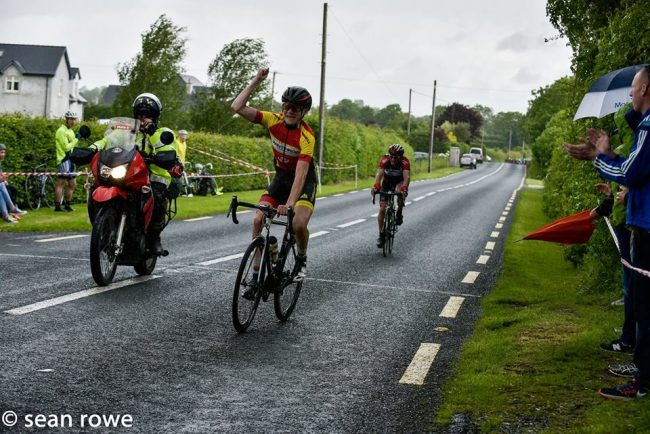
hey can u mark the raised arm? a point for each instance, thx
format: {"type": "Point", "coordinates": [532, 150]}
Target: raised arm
{"type": "Point", "coordinates": [239, 104]}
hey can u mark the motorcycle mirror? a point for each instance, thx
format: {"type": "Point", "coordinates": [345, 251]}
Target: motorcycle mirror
{"type": "Point", "coordinates": [167, 137]}
{"type": "Point", "coordinates": [84, 131]}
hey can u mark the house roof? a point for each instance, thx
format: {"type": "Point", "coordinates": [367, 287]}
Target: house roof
{"type": "Point", "coordinates": [35, 59]}
{"type": "Point", "coordinates": [190, 79]}
{"type": "Point", "coordinates": [110, 94]}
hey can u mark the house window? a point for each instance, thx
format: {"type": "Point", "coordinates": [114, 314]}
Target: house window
{"type": "Point", "coordinates": [12, 84]}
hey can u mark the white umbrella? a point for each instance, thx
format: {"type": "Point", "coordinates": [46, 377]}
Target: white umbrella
{"type": "Point", "coordinates": [608, 94]}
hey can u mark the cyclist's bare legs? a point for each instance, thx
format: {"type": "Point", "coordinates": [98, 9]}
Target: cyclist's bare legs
{"type": "Point", "coordinates": [301, 217]}
{"type": "Point", "coordinates": [400, 198]}
{"type": "Point", "coordinates": [69, 189]}
{"type": "Point", "coordinates": [258, 221]}
{"type": "Point", "coordinates": [380, 216]}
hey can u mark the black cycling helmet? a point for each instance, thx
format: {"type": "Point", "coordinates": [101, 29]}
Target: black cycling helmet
{"type": "Point", "coordinates": [396, 149]}
{"type": "Point", "coordinates": [298, 96]}
{"type": "Point", "coordinates": [147, 104]}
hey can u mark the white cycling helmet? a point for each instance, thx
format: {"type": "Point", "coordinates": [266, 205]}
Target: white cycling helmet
{"type": "Point", "coordinates": [70, 115]}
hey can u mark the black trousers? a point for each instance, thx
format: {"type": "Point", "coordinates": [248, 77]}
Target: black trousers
{"type": "Point", "coordinates": [159, 208]}
{"type": "Point", "coordinates": [640, 253]}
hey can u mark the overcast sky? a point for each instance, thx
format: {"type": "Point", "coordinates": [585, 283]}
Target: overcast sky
{"type": "Point", "coordinates": [480, 52]}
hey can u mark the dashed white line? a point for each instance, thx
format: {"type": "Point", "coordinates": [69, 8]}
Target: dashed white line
{"type": "Point", "coordinates": [498, 226]}
{"type": "Point", "coordinates": [494, 234]}
{"type": "Point", "coordinates": [352, 192]}
{"type": "Point", "coordinates": [502, 219]}
{"type": "Point", "coordinates": [470, 277]}
{"type": "Point", "coordinates": [198, 219]}
{"type": "Point", "coordinates": [431, 193]}
{"type": "Point", "coordinates": [407, 203]}
{"type": "Point", "coordinates": [490, 245]}
{"type": "Point", "coordinates": [318, 234]}
{"type": "Point", "coordinates": [224, 259]}
{"type": "Point", "coordinates": [77, 295]}
{"type": "Point", "coordinates": [504, 213]}
{"type": "Point", "coordinates": [354, 222]}
{"type": "Point", "coordinates": [420, 365]}
{"type": "Point", "coordinates": [69, 237]}
{"type": "Point", "coordinates": [452, 307]}
{"type": "Point", "coordinates": [374, 215]}
{"type": "Point", "coordinates": [417, 199]}
{"type": "Point", "coordinates": [483, 259]}
{"type": "Point", "coordinates": [337, 195]}
{"type": "Point", "coordinates": [322, 198]}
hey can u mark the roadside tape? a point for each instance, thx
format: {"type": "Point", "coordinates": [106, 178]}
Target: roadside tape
{"type": "Point", "coordinates": [230, 159]}
{"type": "Point", "coordinates": [333, 165]}
{"type": "Point", "coordinates": [88, 174]}
{"type": "Point", "coordinates": [340, 168]}
{"type": "Point", "coordinates": [190, 175]}
{"type": "Point", "coordinates": [623, 261]}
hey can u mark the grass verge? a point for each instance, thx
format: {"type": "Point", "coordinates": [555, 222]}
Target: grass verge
{"type": "Point", "coordinates": [533, 363]}
{"type": "Point", "coordinates": [46, 220]}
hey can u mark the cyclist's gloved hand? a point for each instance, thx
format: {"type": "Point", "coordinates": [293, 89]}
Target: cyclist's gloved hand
{"type": "Point", "coordinates": [405, 192]}
{"type": "Point", "coordinates": [375, 189]}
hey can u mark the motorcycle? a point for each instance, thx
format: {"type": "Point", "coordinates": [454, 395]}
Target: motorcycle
{"type": "Point", "coordinates": [122, 202]}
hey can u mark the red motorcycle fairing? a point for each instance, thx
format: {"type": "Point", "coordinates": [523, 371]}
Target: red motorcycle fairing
{"type": "Point", "coordinates": [104, 194]}
{"type": "Point", "coordinates": [147, 209]}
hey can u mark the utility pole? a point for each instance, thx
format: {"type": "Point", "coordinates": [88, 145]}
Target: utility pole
{"type": "Point", "coordinates": [273, 88]}
{"type": "Point", "coordinates": [408, 125]}
{"type": "Point", "coordinates": [433, 126]}
{"type": "Point", "coordinates": [321, 109]}
{"type": "Point", "coordinates": [509, 141]}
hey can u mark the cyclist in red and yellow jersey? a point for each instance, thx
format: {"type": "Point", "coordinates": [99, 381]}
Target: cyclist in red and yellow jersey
{"type": "Point", "coordinates": [393, 174]}
{"type": "Point", "coordinates": [294, 183]}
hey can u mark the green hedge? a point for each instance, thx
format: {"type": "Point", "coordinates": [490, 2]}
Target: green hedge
{"type": "Point", "coordinates": [346, 143]}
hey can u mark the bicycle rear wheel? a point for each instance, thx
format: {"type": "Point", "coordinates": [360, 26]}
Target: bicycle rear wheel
{"type": "Point", "coordinates": [47, 194]}
{"type": "Point", "coordinates": [389, 219]}
{"type": "Point", "coordinates": [33, 191]}
{"type": "Point", "coordinates": [248, 287]}
{"type": "Point", "coordinates": [287, 291]}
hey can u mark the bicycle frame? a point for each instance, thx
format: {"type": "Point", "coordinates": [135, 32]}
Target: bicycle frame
{"type": "Point", "coordinates": [389, 228]}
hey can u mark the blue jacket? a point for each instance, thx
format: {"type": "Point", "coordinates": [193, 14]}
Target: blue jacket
{"type": "Point", "coordinates": [634, 172]}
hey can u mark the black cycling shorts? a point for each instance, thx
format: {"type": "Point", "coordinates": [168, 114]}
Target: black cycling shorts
{"type": "Point", "coordinates": [277, 193]}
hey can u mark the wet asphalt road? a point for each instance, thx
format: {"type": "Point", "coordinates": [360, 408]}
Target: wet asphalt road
{"type": "Point", "coordinates": [164, 352]}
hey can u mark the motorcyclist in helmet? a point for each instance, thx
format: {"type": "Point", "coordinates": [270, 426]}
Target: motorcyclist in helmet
{"type": "Point", "coordinates": [147, 109]}
{"type": "Point", "coordinates": [393, 175]}
{"type": "Point", "coordinates": [294, 183]}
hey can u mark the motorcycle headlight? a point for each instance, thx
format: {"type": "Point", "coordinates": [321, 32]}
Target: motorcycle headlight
{"type": "Point", "coordinates": [119, 171]}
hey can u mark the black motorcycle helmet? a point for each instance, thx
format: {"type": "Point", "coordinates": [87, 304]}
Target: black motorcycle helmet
{"type": "Point", "coordinates": [147, 104]}
{"type": "Point", "coordinates": [299, 96]}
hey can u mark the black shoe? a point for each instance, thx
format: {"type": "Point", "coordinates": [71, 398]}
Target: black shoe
{"type": "Point", "coordinates": [399, 219]}
{"type": "Point", "coordinates": [58, 208]}
{"type": "Point", "coordinates": [380, 240]}
{"type": "Point", "coordinates": [618, 346]}
{"type": "Point", "coordinates": [67, 207]}
{"type": "Point", "coordinates": [155, 247]}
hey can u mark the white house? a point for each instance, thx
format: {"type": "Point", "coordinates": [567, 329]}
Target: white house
{"type": "Point", "coordinates": [38, 80]}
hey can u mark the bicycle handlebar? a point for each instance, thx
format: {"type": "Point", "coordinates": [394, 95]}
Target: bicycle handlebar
{"type": "Point", "coordinates": [386, 193]}
{"type": "Point", "coordinates": [266, 209]}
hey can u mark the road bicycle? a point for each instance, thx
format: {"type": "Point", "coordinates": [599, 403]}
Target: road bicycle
{"type": "Point", "coordinates": [266, 271]}
{"type": "Point", "coordinates": [390, 226]}
{"type": "Point", "coordinates": [39, 188]}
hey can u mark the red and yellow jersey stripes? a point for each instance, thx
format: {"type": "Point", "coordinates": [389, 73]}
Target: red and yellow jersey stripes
{"type": "Point", "coordinates": [289, 145]}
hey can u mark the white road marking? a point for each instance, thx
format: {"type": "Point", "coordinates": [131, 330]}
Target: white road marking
{"type": "Point", "coordinates": [339, 194]}
{"type": "Point", "coordinates": [483, 259]}
{"type": "Point", "coordinates": [420, 365]}
{"type": "Point", "coordinates": [494, 234]}
{"type": "Point", "coordinates": [352, 192]}
{"type": "Point", "coordinates": [431, 193]}
{"type": "Point", "coordinates": [77, 295]}
{"type": "Point", "coordinates": [345, 225]}
{"type": "Point", "coordinates": [490, 245]}
{"type": "Point", "coordinates": [366, 189]}
{"type": "Point", "coordinates": [504, 213]}
{"type": "Point", "coordinates": [44, 257]}
{"type": "Point", "coordinates": [417, 199]}
{"type": "Point", "coordinates": [498, 226]}
{"type": "Point", "coordinates": [452, 307]}
{"type": "Point", "coordinates": [317, 234]}
{"type": "Point", "coordinates": [507, 208]}
{"type": "Point", "coordinates": [69, 237]}
{"type": "Point", "coordinates": [374, 215]}
{"type": "Point", "coordinates": [198, 219]}
{"type": "Point", "coordinates": [245, 211]}
{"type": "Point", "coordinates": [407, 203]}
{"type": "Point", "coordinates": [224, 259]}
{"type": "Point", "coordinates": [322, 198]}
{"type": "Point", "coordinates": [502, 219]}
{"type": "Point", "coordinates": [470, 277]}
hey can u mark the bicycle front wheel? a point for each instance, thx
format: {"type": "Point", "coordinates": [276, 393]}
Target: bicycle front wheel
{"type": "Point", "coordinates": [248, 287]}
{"type": "Point", "coordinates": [47, 192]}
{"type": "Point", "coordinates": [389, 220]}
{"type": "Point", "coordinates": [287, 291]}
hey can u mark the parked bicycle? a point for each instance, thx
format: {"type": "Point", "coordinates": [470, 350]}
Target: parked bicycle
{"type": "Point", "coordinates": [265, 270]}
{"type": "Point", "coordinates": [39, 188]}
{"type": "Point", "coordinates": [390, 226]}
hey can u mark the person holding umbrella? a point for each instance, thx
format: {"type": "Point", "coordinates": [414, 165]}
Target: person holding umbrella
{"type": "Point", "coordinates": [634, 172]}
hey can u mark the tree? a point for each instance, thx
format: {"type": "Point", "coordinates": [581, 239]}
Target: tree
{"type": "Point", "coordinates": [156, 69]}
{"type": "Point", "coordinates": [346, 109]}
{"type": "Point", "coordinates": [456, 113]}
{"type": "Point", "coordinates": [228, 74]}
{"type": "Point", "coordinates": [547, 101]}
{"type": "Point", "coordinates": [390, 116]}
{"type": "Point", "coordinates": [497, 132]}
